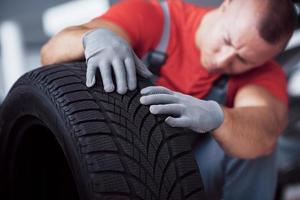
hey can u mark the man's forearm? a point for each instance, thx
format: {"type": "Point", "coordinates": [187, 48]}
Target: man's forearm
{"type": "Point", "coordinates": [248, 132]}
{"type": "Point", "coordinates": [65, 46]}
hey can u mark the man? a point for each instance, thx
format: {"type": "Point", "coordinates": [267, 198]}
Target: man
{"type": "Point", "coordinates": [239, 38]}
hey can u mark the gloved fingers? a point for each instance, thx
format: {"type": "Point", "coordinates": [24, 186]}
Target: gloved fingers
{"type": "Point", "coordinates": [141, 68]}
{"type": "Point", "coordinates": [167, 109]}
{"type": "Point", "coordinates": [131, 73]}
{"type": "Point", "coordinates": [90, 74]}
{"type": "Point", "coordinates": [105, 70]}
{"type": "Point", "coordinates": [158, 99]}
{"type": "Point", "coordinates": [177, 122]}
{"type": "Point", "coordinates": [120, 74]}
{"type": "Point", "coordinates": [155, 90]}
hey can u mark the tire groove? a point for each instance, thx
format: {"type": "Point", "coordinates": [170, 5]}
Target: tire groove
{"type": "Point", "coordinates": [150, 136]}
{"type": "Point", "coordinates": [89, 120]}
{"type": "Point", "coordinates": [170, 161]}
{"type": "Point", "coordinates": [136, 111]}
{"type": "Point", "coordinates": [65, 85]}
{"type": "Point", "coordinates": [128, 175]}
{"type": "Point", "coordinates": [194, 192]}
{"type": "Point", "coordinates": [76, 101]}
{"type": "Point", "coordinates": [70, 92]}
{"type": "Point", "coordinates": [45, 75]}
{"type": "Point", "coordinates": [178, 180]}
{"type": "Point", "coordinates": [100, 152]}
{"type": "Point", "coordinates": [163, 142]}
{"type": "Point", "coordinates": [83, 110]}
{"type": "Point", "coordinates": [129, 157]}
{"type": "Point", "coordinates": [143, 121]}
{"type": "Point", "coordinates": [51, 81]}
{"type": "Point", "coordinates": [131, 99]}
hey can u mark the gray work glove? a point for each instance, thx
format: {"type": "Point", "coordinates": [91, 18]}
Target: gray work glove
{"type": "Point", "coordinates": [184, 110]}
{"type": "Point", "coordinates": [107, 51]}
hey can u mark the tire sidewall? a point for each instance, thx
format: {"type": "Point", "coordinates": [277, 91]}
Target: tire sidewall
{"type": "Point", "coordinates": [36, 104]}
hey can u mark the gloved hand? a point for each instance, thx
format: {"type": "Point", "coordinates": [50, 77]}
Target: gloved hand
{"type": "Point", "coordinates": [184, 110]}
{"type": "Point", "coordinates": [107, 51]}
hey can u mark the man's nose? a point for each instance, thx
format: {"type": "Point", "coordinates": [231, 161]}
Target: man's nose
{"type": "Point", "coordinates": [225, 57]}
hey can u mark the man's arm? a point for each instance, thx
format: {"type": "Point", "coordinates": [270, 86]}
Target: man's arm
{"type": "Point", "coordinates": [252, 127]}
{"type": "Point", "coordinates": [66, 46]}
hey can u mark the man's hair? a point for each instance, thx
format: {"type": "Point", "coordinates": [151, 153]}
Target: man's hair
{"type": "Point", "coordinates": [278, 21]}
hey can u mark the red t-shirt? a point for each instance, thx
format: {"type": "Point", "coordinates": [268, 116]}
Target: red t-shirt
{"type": "Point", "coordinates": [183, 72]}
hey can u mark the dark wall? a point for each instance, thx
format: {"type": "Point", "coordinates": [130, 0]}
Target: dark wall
{"type": "Point", "coordinates": [198, 2]}
{"type": "Point", "coordinates": [206, 2]}
{"type": "Point", "coordinates": [29, 12]}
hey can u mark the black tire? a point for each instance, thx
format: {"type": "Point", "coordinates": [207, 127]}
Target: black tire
{"type": "Point", "coordinates": [62, 140]}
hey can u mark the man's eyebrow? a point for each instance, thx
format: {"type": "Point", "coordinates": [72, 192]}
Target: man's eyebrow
{"type": "Point", "coordinates": [242, 59]}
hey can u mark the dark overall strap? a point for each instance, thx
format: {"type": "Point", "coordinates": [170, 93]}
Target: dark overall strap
{"type": "Point", "coordinates": [157, 57]}
{"type": "Point", "coordinates": [218, 92]}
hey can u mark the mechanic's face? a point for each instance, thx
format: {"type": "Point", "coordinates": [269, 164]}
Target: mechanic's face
{"type": "Point", "coordinates": [229, 41]}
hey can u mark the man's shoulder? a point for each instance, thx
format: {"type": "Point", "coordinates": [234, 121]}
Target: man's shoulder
{"type": "Point", "coordinates": [269, 76]}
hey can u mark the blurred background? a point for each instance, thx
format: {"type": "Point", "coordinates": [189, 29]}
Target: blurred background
{"type": "Point", "coordinates": [26, 26]}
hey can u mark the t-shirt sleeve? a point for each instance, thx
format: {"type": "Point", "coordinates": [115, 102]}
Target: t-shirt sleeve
{"type": "Point", "coordinates": [142, 20]}
{"type": "Point", "coordinates": [270, 76]}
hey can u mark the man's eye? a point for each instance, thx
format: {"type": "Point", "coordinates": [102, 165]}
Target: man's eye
{"type": "Point", "coordinates": [226, 41]}
{"type": "Point", "coordinates": [241, 59]}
